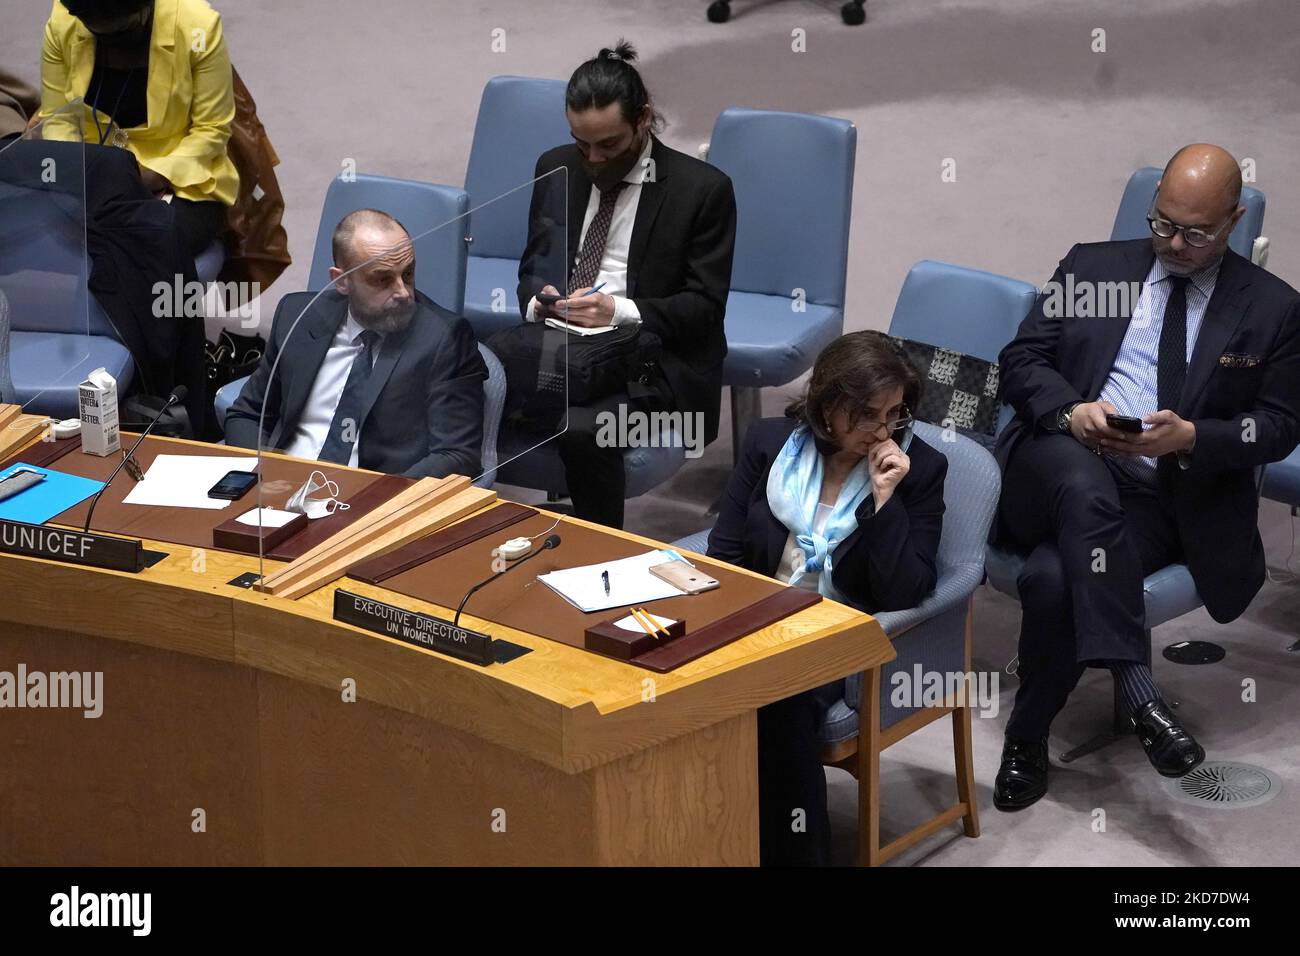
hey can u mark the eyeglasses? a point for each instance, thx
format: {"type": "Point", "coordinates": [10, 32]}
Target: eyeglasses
{"type": "Point", "coordinates": [897, 424]}
{"type": "Point", "coordinates": [1198, 238]}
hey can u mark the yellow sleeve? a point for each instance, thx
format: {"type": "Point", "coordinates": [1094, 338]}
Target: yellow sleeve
{"type": "Point", "coordinates": [56, 125]}
{"type": "Point", "coordinates": [212, 110]}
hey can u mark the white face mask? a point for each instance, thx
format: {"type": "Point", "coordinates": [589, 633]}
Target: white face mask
{"type": "Point", "coordinates": [315, 508]}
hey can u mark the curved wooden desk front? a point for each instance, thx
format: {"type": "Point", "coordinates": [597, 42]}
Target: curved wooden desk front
{"type": "Point", "coordinates": [226, 737]}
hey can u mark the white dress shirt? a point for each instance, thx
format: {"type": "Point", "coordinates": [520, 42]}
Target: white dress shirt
{"type": "Point", "coordinates": [613, 264]}
{"type": "Point", "coordinates": [327, 391]}
{"type": "Point", "coordinates": [1132, 384]}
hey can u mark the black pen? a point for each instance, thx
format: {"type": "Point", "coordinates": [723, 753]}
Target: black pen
{"type": "Point", "coordinates": [604, 576]}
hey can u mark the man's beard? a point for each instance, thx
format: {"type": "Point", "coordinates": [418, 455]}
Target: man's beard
{"type": "Point", "coordinates": [385, 321]}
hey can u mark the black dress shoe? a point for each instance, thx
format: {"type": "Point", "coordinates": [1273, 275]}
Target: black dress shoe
{"type": "Point", "coordinates": [1171, 749]}
{"type": "Point", "coordinates": [1022, 778]}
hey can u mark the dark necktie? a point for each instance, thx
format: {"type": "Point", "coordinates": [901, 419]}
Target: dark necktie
{"type": "Point", "coordinates": [1171, 360]}
{"type": "Point", "coordinates": [593, 244]}
{"type": "Point", "coordinates": [345, 429]}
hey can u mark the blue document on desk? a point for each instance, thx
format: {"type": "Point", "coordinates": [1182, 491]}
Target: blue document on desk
{"type": "Point", "coordinates": [53, 496]}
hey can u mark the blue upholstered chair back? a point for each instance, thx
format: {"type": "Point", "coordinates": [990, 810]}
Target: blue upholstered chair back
{"type": "Point", "coordinates": [964, 310]}
{"type": "Point", "coordinates": [44, 267]}
{"type": "Point", "coordinates": [793, 176]}
{"type": "Point", "coordinates": [1131, 219]}
{"type": "Point", "coordinates": [933, 634]}
{"type": "Point", "coordinates": [420, 207]}
{"type": "Point", "coordinates": [519, 118]}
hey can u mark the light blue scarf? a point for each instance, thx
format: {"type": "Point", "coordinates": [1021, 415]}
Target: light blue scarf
{"type": "Point", "coordinates": [794, 487]}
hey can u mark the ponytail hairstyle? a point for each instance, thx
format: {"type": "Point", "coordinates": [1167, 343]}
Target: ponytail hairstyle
{"type": "Point", "coordinates": [609, 77]}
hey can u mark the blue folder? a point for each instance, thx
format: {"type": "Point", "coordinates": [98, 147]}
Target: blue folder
{"type": "Point", "coordinates": [45, 499]}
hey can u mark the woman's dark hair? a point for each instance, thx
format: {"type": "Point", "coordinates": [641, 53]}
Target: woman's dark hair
{"type": "Point", "coordinates": [609, 77]}
{"type": "Point", "coordinates": [851, 370]}
{"type": "Point", "coordinates": [104, 11]}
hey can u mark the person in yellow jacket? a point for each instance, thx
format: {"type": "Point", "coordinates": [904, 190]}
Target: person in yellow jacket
{"type": "Point", "coordinates": [154, 77]}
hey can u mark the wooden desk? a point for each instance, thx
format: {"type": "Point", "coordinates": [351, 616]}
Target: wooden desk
{"type": "Point", "coordinates": [228, 707]}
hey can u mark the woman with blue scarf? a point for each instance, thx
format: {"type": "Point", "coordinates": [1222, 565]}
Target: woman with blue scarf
{"type": "Point", "coordinates": [839, 498]}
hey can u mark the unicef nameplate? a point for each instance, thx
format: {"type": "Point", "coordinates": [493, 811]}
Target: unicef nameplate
{"type": "Point", "coordinates": [420, 630]}
{"type": "Point", "coordinates": [74, 547]}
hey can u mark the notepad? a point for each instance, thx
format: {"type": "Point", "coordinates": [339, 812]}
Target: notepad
{"type": "Point", "coordinates": [53, 496]}
{"type": "Point", "coordinates": [630, 582]}
{"type": "Point", "coordinates": [578, 329]}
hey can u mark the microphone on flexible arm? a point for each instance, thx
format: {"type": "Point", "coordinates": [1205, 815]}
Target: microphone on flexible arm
{"type": "Point", "coordinates": [175, 398]}
{"type": "Point", "coordinates": [552, 542]}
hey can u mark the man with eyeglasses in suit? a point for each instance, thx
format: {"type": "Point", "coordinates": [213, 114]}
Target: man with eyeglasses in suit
{"type": "Point", "coordinates": [1205, 367]}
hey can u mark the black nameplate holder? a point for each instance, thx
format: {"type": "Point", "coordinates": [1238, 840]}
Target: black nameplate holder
{"type": "Point", "coordinates": [422, 630]}
{"type": "Point", "coordinates": [76, 547]}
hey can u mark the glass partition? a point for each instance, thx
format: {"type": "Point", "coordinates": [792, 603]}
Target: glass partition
{"type": "Point", "coordinates": [388, 375]}
{"type": "Point", "coordinates": [57, 332]}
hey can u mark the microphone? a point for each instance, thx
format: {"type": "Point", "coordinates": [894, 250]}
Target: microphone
{"type": "Point", "coordinates": [552, 542]}
{"type": "Point", "coordinates": [175, 398]}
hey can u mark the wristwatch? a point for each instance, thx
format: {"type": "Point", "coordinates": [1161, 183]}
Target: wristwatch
{"type": "Point", "coordinates": [1063, 416]}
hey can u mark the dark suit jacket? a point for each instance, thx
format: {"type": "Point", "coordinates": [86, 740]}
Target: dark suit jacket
{"type": "Point", "coordinates": [679, 262]}
{"type": "Point", "coordinates": [424, 404]}
{"type": "Point", "coordinates": [887, 564]}
{"type": "Point", "coordinates": [1055, 361]}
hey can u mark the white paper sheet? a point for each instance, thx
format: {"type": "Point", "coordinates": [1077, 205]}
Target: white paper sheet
{"type": "Point", "coordinates": [630, 582]}
{"type": "Point", "coordinates": [183, 481]}
{"type": "Point", "coordinates": [630, 623]}
{"type": "Point", "coordinates": [271, 518]}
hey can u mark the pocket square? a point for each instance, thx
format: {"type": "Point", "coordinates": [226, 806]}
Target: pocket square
{"type": "Point", "coordinates": [1238, 360]}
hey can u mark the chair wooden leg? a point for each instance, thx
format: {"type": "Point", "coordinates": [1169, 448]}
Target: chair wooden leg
{"type": "Point", "coordinates": [961, 743]}
{"type": "Point", "coordinates": [869, 771]}
{"type": "Point", "coordinates": [961, 746]}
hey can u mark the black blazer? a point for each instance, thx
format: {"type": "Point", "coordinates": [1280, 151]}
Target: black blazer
{"type": "Point", "coordinates": [887, 564]}
{"type": "Point", "coordinates": [1253, 316]}
{"type": "Point", "coordinates": [679, 262]}
{"type": "Point", "coordinates": [423, 411]}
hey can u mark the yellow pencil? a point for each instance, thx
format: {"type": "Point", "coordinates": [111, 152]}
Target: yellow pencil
{"type": "Point", "coordinates": [655, 623]}
{"type": "Point", "coordinates": [647, 626]}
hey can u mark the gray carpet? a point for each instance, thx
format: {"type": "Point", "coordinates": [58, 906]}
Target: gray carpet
{"type": "Point", "coordinates": [1044, 133]}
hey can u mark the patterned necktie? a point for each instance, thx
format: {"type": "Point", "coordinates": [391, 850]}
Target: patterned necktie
{"type": "Point", "coordinates": [593, 245]}
{"type": "Point", "coordinates": [1171, 359]}
{"type": "Point", "coordinates": [346, 426]}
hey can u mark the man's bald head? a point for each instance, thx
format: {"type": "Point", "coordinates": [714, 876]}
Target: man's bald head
{"type": "Point", "coordinates": [1205, 169]}
{"type": "Point", "coordinates": [379, 230]}
{"type": "Point", "coordinates": [1199, 189]}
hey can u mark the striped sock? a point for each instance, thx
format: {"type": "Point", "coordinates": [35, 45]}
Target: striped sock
{"type": "Point", "coordinates": [1136, 685]}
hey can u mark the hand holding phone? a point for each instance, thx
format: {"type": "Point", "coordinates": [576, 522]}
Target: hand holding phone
{"type": "Point", "coordinates": [1125, 423]}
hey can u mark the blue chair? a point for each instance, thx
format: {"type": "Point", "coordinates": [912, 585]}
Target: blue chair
{"type": "Point", "coordinates": [435, 216]}
{"type": "Point", "coordinates": [936, 636]}
{"type": "Point", "coordinates": [494, 400]}
{"type": "Point", "coordinates": [1131, 221]}
{"type": "Point", "coordinates": [519, 118]}
{"type": "Point", "coordinates": [1282, 481]}
{"type": "Point", "coordinates": [793, 177]}
{"type": "Point", "coordinates": [58, 332]}
{"type": "Point", "coordinates": [6, 380]}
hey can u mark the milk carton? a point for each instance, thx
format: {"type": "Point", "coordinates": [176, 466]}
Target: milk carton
{"type": "Point", "coordinates": [98, 404]}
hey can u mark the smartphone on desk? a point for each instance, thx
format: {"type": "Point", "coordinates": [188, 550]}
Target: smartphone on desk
{"type": "Point", "coordinates": [683, 576]}
{"type": "Point", "coordinates": [233, 485]}
{"type": "Point", "coordinates": [1125, 423]}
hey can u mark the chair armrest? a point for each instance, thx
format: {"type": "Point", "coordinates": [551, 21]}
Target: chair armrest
{"type": "Point", "coordinates": [955, 586]}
